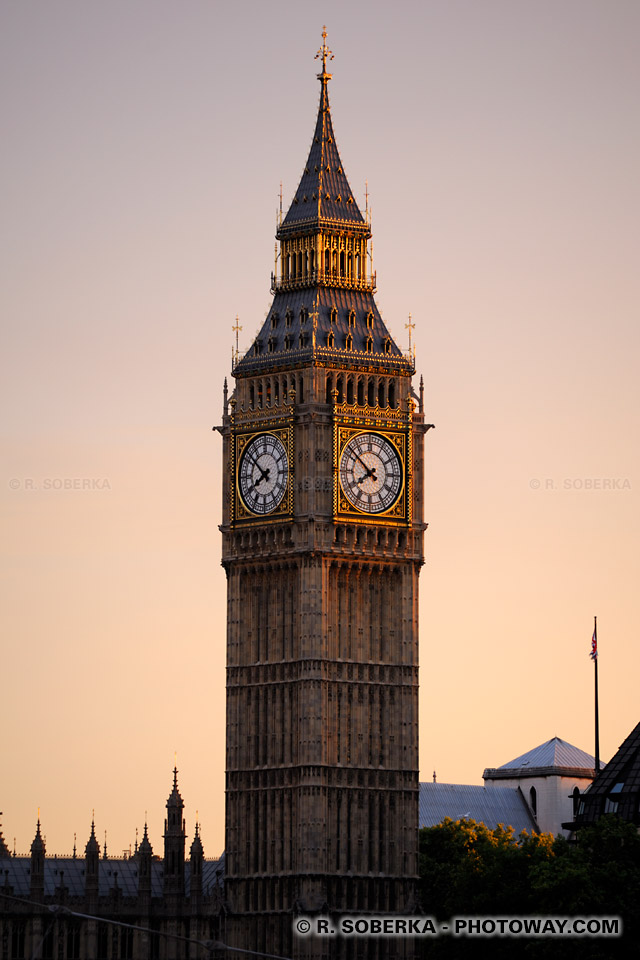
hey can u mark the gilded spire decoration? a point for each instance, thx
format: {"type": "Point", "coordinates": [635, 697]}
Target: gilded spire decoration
{"type": "Point", "coordinates": [324, 53]}
{"type": "Point", "coordinates": [323, 279]}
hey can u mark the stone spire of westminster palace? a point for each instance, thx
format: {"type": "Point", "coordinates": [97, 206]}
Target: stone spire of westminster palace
{"type": "Point", "coordinates": [322, 543]}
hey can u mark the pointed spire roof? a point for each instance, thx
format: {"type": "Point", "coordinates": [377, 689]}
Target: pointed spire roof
{"type": "Point", "coordinates": [196, 844]}
{"type": "Point", "coordinates": [38, 845]}
{"type": "Point", "coordinates": [175, 800]}
{"type": "Point", "coordinates": [323, 312]}
{"type": "Point", "coordinates": [92, 843]}
{"type": "Point", "coordinates": [323, 195]}
{"type": "Point", "coordinates": [145, 848]}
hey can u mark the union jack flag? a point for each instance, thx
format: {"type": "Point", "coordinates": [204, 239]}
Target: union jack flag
{"type": "Point", "coordinates": [594, 645]}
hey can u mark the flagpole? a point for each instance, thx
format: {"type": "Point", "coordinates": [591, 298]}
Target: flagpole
{"type": "Point", "coordinates": [595, 664]}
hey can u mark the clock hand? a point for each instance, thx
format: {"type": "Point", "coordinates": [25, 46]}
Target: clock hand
{"type": "Point", "coordinates": [365, 476]}
{"type": "Point", "coordinates": [265, 475]}
{"type": "Point", "coordinates": [358, 457]}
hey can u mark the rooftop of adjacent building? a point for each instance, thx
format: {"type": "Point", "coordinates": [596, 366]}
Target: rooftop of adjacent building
{"type": "Point", "coordinates": [616, 788]}
{"type": "Point", "coordinates": [554, 757]}
{"type": "Point", "coordinates": [68, 875]}
{"type": "Point", "coordinates": [459, 801]}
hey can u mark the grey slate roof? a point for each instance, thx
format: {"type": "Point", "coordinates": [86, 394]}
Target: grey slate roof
{"type": "Point", "coordinates": [324, 300]}
{"type": "Point", "coordinates": [324, 201]}
{"type": "Point", "coordinates": [70, 871]}
{"type": "Point", "coordinates": [489, 805]}
{"type": "Point", "coordinates": [552, 753]}
{"type": "Point", "coordinates": [323, 194]}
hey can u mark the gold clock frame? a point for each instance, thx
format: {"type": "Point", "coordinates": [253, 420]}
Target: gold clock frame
{"type": "Point", "coordinates": [400, 512]}
{"type": "Point", "coordinates": [238, 512]}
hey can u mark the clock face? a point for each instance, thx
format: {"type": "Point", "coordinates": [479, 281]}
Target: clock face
{"type": "Point", "coordinates": [371, 473]}
{"type": "Point", "coordinates": [263, 474]}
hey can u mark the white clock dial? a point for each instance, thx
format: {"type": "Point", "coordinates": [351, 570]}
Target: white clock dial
{"type": "Point", "coordinates": [371, 473]}
{"type": "Point", "coordinates": [263, 474]}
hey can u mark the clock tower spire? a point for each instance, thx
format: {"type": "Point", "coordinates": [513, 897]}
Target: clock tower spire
{"type": "Point", "coordinates": [322, 543]}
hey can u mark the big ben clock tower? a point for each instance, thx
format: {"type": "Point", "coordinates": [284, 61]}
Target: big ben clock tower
{"type": "Point", "coordinates": [322, 546]}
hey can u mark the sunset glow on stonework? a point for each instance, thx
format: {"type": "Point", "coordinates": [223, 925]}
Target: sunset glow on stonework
{"type": "Point", "coordinates": [143, 153]}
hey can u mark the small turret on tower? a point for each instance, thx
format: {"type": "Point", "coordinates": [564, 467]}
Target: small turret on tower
{"type": "Point", "coordinates": [92, 863]}
{"type": "Point", "coordinates": [196, 858]}
{"type": "Point", "coordinates": [144, 856]}
{"type": "Point", "coordinates": [174, 840]}
{"type": "Point", "coordinates": [38, 851]}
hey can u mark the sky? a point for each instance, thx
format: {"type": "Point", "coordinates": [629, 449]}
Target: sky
{"type": "Point", "coordinates": [143, 149]}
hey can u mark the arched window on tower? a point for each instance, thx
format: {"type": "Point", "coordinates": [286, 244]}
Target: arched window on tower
{"type": "Point", "coordinates": [349, 342]}
{"type": "Point", "coordinates": [369, 344]}
{"type": "Point", "coordinates": [350, 390]}
{"type": "Point", "coordinates": [533, 801]}
{"type": "Point", "coordinates": [329, 389]}
{"type": "Point", "coordinates": [381, 402]}
{"type": "Point", "coordinates": [360, 392]}
{"type": "Point", "coordinates": [392, 394]}
{"type": "Point", "coordinates": [340, 390]}
{"type": "Point", "coordinates": [371, 392]}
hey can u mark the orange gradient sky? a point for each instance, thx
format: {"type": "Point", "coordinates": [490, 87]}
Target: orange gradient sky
{"type": "Point", "coordinates": [143, 148]}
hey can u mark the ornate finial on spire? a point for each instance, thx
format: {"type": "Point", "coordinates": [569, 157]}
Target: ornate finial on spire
{"type": "Point", "coordinates": [323, 53]}
{"type": "Point", "coordinates": [410, 326]}
{"type": "Point", "coordinates": [236, 328]}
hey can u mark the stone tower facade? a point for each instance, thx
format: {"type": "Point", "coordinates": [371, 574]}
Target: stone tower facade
{"type": "Point", "coordinates": [322, 545]}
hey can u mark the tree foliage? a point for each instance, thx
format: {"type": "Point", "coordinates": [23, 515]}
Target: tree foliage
{"type": "Point", "coordinates": [467, 869]}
